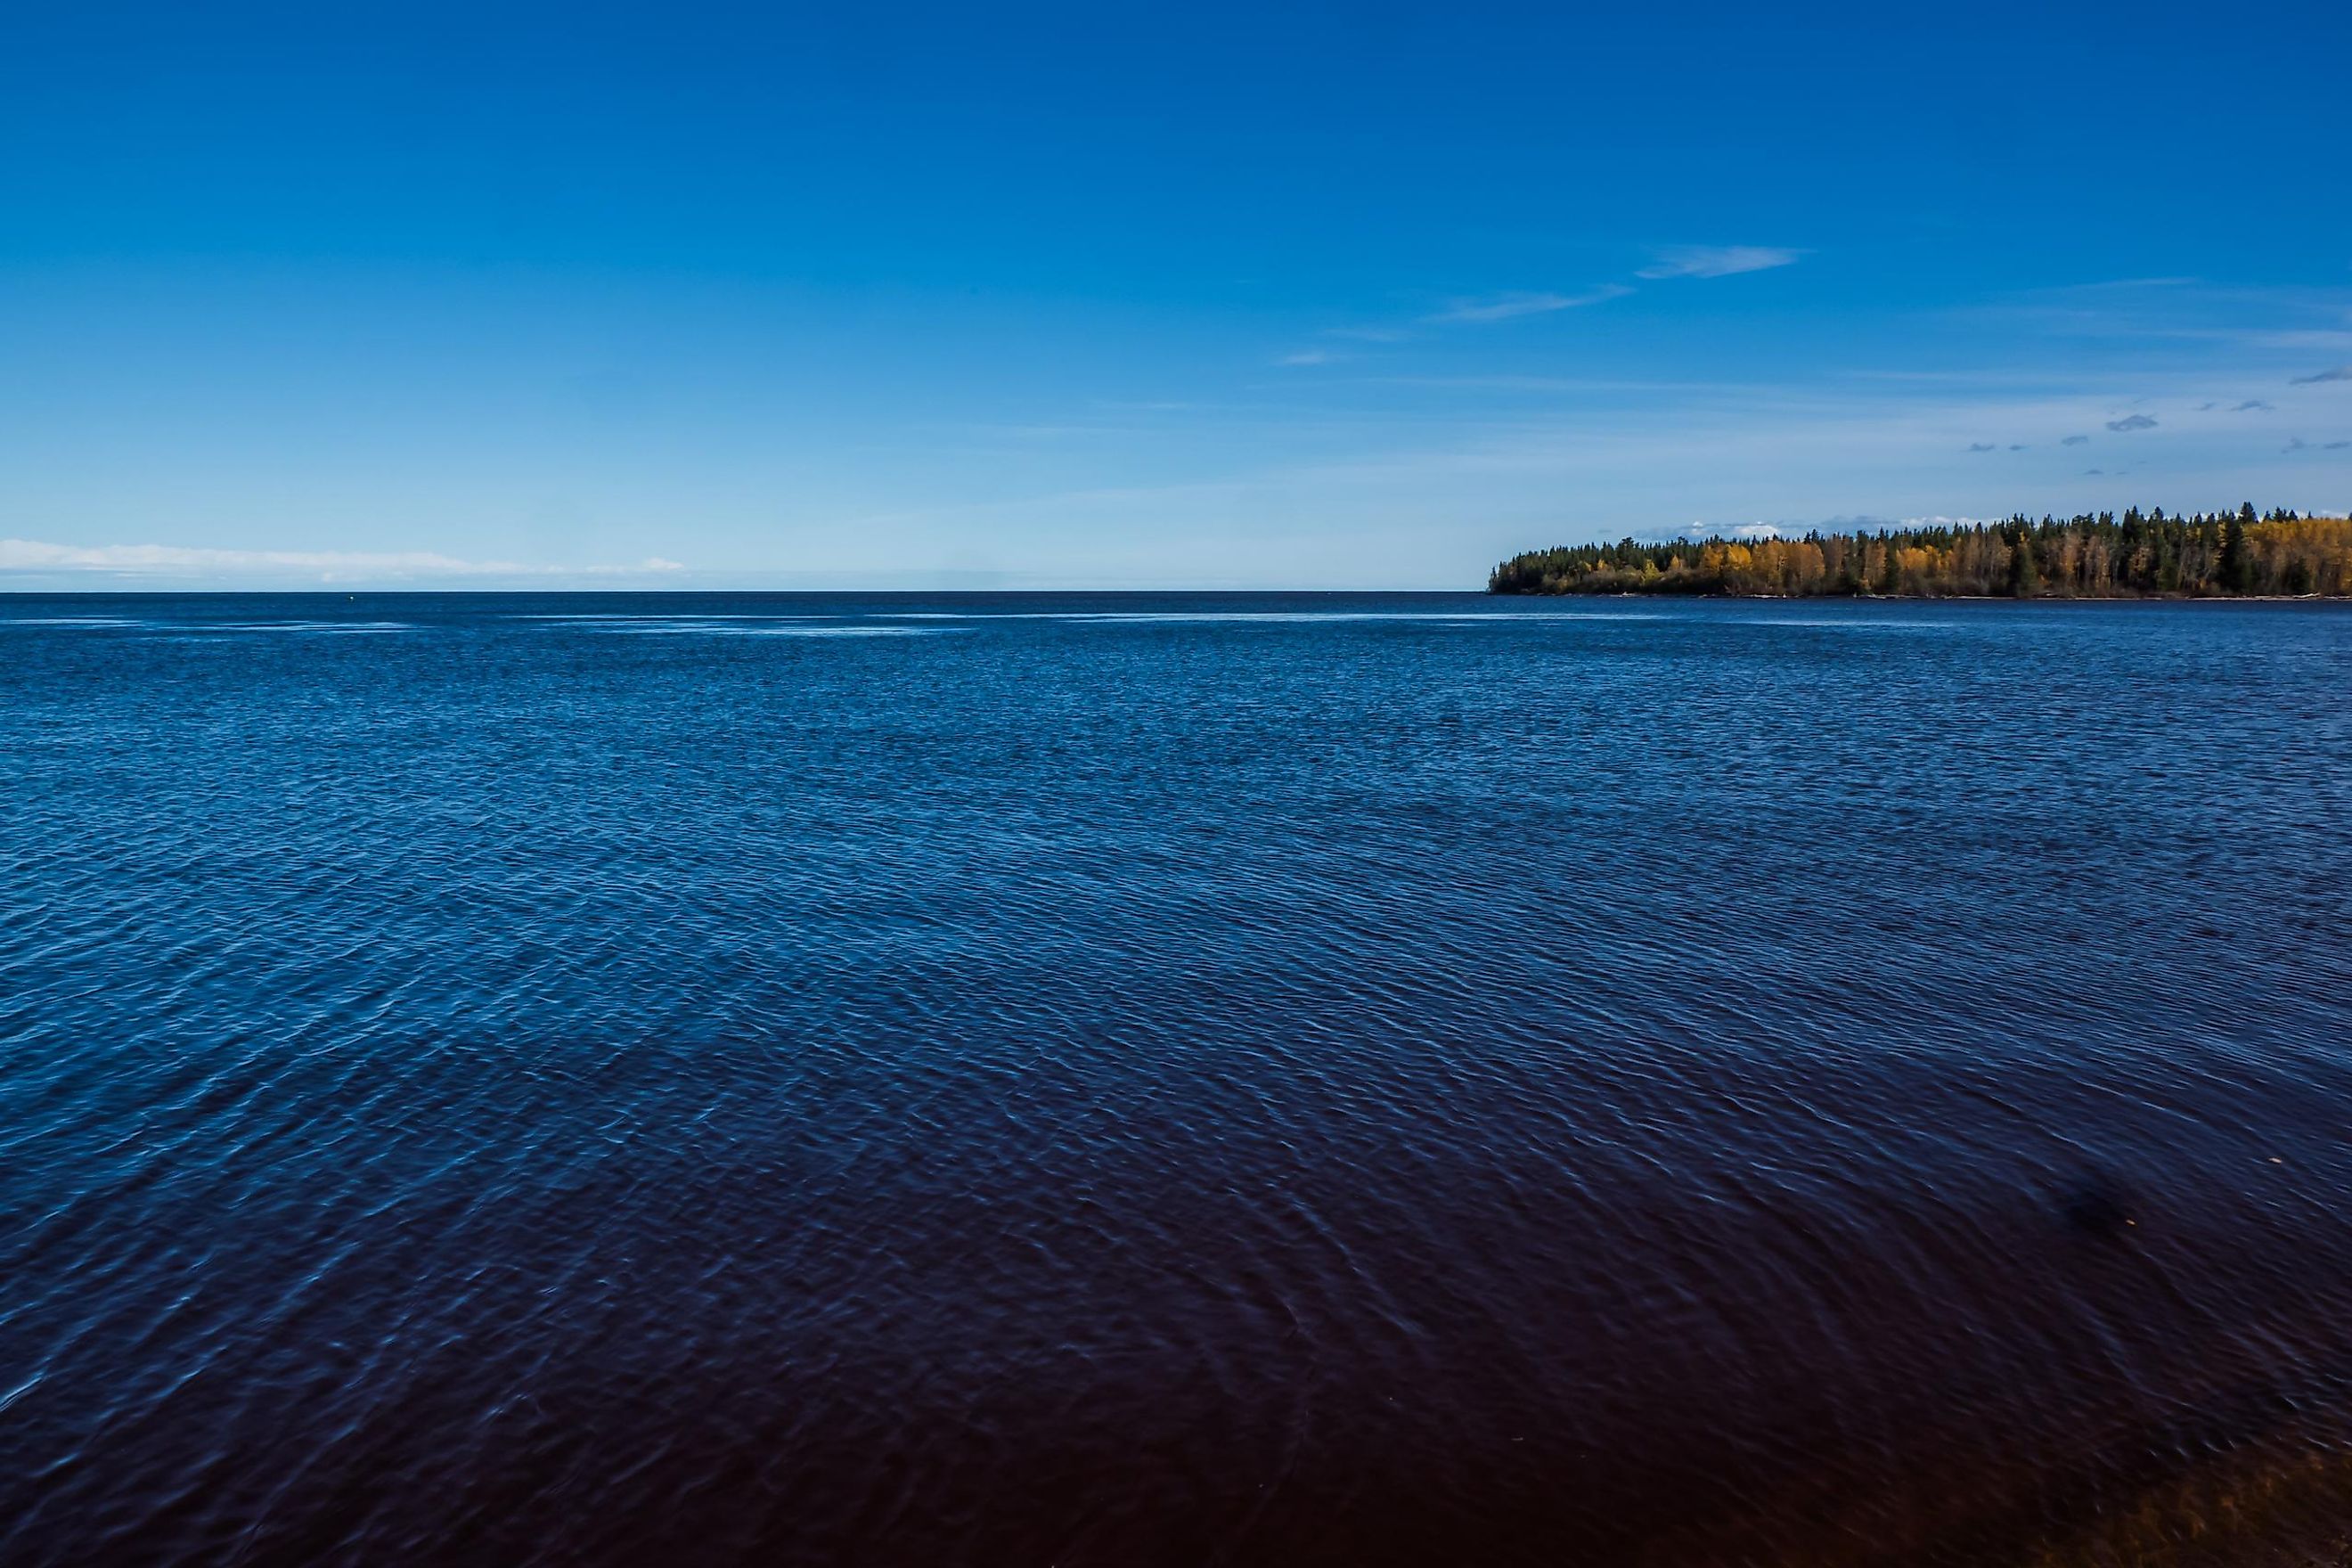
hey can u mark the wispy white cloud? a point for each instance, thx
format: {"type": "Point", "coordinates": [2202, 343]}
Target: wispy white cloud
{"type": "Point", "coordinates": [2178, 282]}
{"type": "Point", "coordinates": [1717, 260]}
{"type": "Point", "coordinates": [2277, 319]}
{"type": "Point", "coordinates": [1307, 357]}
{"type": "Point", "coordinates": [1504, 307]}
{"type": "Point", "coordinates": [325, 566]}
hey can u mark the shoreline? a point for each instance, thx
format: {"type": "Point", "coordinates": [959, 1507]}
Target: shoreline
{"type": "Point", "coordinates": [1948, 598]}
{"type": "Point", "coordinates": [2093, 555]}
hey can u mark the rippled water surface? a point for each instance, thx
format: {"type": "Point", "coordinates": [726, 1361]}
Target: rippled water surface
{"type": "Point", "coordinates": [1026, 1080]}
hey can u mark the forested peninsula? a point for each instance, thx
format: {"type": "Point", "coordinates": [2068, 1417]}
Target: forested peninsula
{"type": "Point", "coordinates": [2102, 556]}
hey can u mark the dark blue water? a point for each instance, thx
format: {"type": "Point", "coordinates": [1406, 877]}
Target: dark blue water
{"type": "Point", "coordinates": [1169, 1081]}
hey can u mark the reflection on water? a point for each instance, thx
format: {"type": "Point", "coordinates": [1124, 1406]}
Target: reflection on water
{"type": "Point", "coordinates": [1316, 1079]}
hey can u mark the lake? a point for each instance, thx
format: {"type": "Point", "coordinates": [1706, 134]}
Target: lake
{"type": "Point", "coordinates": [1137, 1079]}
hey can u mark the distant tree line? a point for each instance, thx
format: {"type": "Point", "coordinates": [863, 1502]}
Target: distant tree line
{"type": "Point", "coordinates": [2104, 556]}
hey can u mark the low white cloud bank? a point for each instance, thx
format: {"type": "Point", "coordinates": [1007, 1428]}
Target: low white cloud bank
{"type": "Point", "coordinates": [1751, 531]}
{"type": "Point", "coordinates": [327, 566]}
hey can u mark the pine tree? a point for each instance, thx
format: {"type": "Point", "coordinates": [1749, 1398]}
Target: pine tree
{"type": "Point", "coordinates": [2237, 568]}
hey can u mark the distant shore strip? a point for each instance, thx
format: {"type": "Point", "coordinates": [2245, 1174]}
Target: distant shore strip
{"type": "Point", "coordinates": [2235, 555]}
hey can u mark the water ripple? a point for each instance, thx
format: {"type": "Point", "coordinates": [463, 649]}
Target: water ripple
{"type": "Point", "coordinates": [1220, 1079]}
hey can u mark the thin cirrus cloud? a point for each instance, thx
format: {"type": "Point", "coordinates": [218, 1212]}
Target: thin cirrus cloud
{"type": "Point", "coordinates": [1717, 260]}
{"type": "Point", "coordinates": [1672, 261]}
{"type": "Point", "coordinates": [328, 565]}
{"type": "Point", "coordinates": [1506, 307]}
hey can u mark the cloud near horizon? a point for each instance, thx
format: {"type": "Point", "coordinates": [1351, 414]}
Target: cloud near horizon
{"type": "Point", "coordinates": [1700, 531]}
{"type": "Point", "coordinates": [2132, 422]}
{"type": "Point", "coordinates": [2341, 373]}
{"type": "Point", "coordinates": [329, 566]}
{"type": "Point", "coordinates": [1717, 260]}
{"type": "Point", "coordinates": [1504, 307]}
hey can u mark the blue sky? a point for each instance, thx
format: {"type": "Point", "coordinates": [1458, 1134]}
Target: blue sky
{"type": "Point", "coordinates": [1139, 296]}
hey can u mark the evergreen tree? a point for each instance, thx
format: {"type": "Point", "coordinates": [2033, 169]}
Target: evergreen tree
{"type": "Point", "coordinates": [2237, 571]}
{"type": "Point", "coordinates": [2024, 577]}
